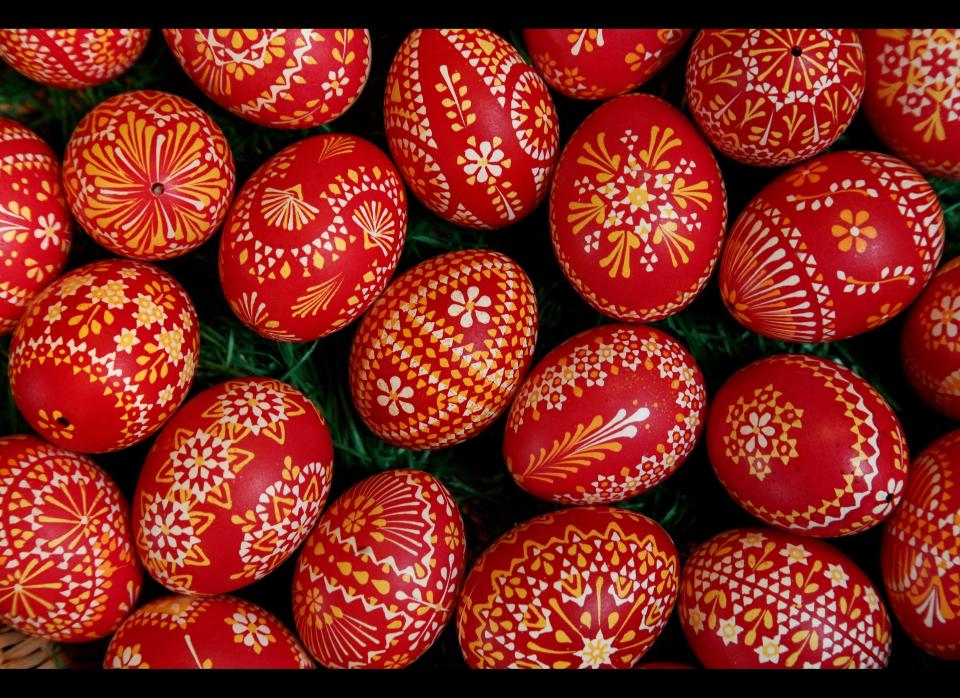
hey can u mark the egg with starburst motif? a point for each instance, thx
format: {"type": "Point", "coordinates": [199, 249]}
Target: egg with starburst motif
{"type": "Point", "coordinates": [313, 237]}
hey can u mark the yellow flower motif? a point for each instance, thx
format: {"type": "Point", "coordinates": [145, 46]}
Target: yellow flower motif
{"type": "Point", "coordinates": [696, 617]}
{"type": "Point", "coordinates": [808, 173]}
{"type": "Point", "coordinates": [111, 293]}
{"type": "Point", "coordinates": [853, 232]}
{"type": "Point", "coordinates": [54, 312]}
{"type": "Point", "coordinates": [126, 340]}
{"type": "Point", "coordinates": [171, 341]}
{"type": "Point", "coordinates": [148, 311]}
{"type": "Point", "coordinates": [636, 57]}
{"type": "Point", "coordinates": [55, 425]}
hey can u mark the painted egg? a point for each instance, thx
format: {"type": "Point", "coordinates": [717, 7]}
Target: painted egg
{"type": "Point", "coordinates": [762, 599]}
{"type": "Point", "coordinates": [913, 95]}
{"type": "Point", "coordinates": [606, 415]}
{"type": "Point", "coordinates": [832, 248]}
{"type": "Point", "coordinates": [601, 63]}
{"type": "Point", "coordinates": [72, 58]}
{"type": "Point", "coordinates": [67, 567]}
{"type": "Point", "coordinates": [148, 175]}
{"type": "Point", "coordinates": [104, 355]}
{"type": "Point", "coordinates": [588, 587]}
{"type": "Point", "coordinates": [637, 209]}
{"type": "Point", "coordinates": [35, 223]}
{"type": "Point", "coordinates": [213, 632]}
{"type": "Point", "coordinates": [920, 556]}
{"type": "Point", "coordinates": [232, 486]}
{"type": "Point", "coordinates": [442, 352]}
{"type": "Point", "coordinates": [377, 580]}
{"type": "Point", "coordinates": [807, 445]}
{"type": "Point", "coordinates": [930, 344]}
{"type": "Point", "coordinates": [774, 97]}
{"type": "Point", "coordinates": [471, 126]}
{"type": "Point", "coordinates": [313, 237]}
{"type": "Point", "coordinates": [282, 78]}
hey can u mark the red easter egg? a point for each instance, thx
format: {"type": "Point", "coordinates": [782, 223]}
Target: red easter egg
{"type": "Point", "coordinates": [313, 237]}
{"type": "Point", "coordinates": [282, 78]}
{"type": "Point", "coordinates": [148, 175]}
{"type": "Point", "coordinates": [756, 598]}
{"type": "Point", "coordinates": [807, 445]}
{"type": "Point", "coordinates": [601, 63]}
{"type": "Point", "coordinates": [442, 352]}
{"type": "Point", "coordinates": [470, 125]}
{"type": "Point", "coordinates": [920, 555]}
{"type": "Point", "coordinates": [930, 343]}
{"type": "Point", "coordinates": [213, 632]}
{"type": "Point", "coordinates": [637, 209]}
{"type": "Point", "coordinates": [587, 587]}
{"type": "Point", "coordinates": [67, 567]}
{"type": "Point", "coordinates": [913, 95]}
{"type": "Point", "coordinates": [774, 97]}
{"type": "Point", "coordinates": [72, 58]}
{"type": "Point", "coordinates": [606, 415]}
{"type": "Point", "coordinates": [104, 355]}
{"type": "Point", "coordinates": [832, 248]}
{"type": "Point", "coordinates": [377, 580]}
{"type": "Point", "coordinates": [232, 486]}
{"type": "Point", "coordinates": [35, 223]}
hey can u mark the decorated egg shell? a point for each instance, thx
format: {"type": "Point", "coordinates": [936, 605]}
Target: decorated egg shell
{"type": "Point", "coordinates": [35, 223]}
{"type": "Point", "coordinates": [471, 127]}
{"type": "Point", "coordinates": [601, 63]}
{"type": "Point", "coordinates": [920, 555]}
{"type": "Point", "coordinates": [104, 355]}
{"type": "Point", "coordinates": [442, 352]}
{"type": "Point", "coordinates": [67, 568]}
{"type": "Point", "coordinates": [232, 486]}
{"type": "Point", "coordinates": [637, 209]}
{"type": "Point", "coordinates": [807, 445]}
{"type": "Point", "coordinates": [148, 175]}
{"type": "Point", "coordinates": [313, 237]}
{"type": "Point", "coordinates": [377, 579]}
{"type": "Point", "coordinates": [774, 97]}
{"type": "Point", "coordinates": [213, 632]}
{"type": "Point", "coordinates": [913, 95]}
{"type": "Point", "coordinates": [759, 598]}
{"type": "Point", "coordinates": [282, 78]}
{"type": "Point", "coordinates": [587, 587]}
{"type": "Point", "coordinates": [832, 248]}
{"type": "Point", "coordinates": [72, 58]}
{"type": "Point", "coordinates": [930, 343]}
{"type": "Point", "coordinates": [606, 415]}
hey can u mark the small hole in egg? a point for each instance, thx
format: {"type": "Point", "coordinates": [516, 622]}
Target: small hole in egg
{"type": "Point", "coordinates": [796, 52]}
{"type": "Point", "coordinates": [63, 421]}
{"type": "Point", "coordinates": [157, 188]}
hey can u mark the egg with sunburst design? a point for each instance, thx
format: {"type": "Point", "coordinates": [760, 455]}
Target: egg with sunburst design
{"type": "Point", "coordinates": [148, 174]}
{"type": "Point", "coordinates": [832, 248]}
{"type": "Point", "coordinates": [104, 355]}
{"type": "Point", "coordinates": [313, 237]}
{"type": "Point", "coordinates": [281, 78]}
{"type": "Point", "coordinates": [232, 486]}
{"type": "Point", "coordinates": [68, 570]}
{"type": "Point", "coordinates": [471, 126]}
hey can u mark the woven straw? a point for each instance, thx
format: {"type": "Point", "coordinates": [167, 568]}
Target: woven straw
{"type": "Point", "coordinates": [19, 651]}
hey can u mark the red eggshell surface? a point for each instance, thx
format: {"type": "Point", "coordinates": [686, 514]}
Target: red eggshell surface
{"type": "Point", "coordinates": [832, 248]}
{"type": "Point", "coordinates": [281, 78]}
{"type": "Point", "coordinates": [148, 175]}
{"type": "Point", "coordinates": [470, 125]}
{"type": "Point", "coordinates": [637, 209]}
{"type": "Point", "coordinates": [601, 63]}
{"type": "Point", "coordinates": [763, 599]}
{"type": "Point", "coordinates": [920, 556]}
{"type": "Point", "coordinates": [72, 58]}
{"type": "Point", "coordinates": [913, 95]}
{"type": "Point", "coordinates": [605, 416]}
{"type": "Point", "coordinates": [104, 355]}
{"type": "Point", "coordinates": [313, 237]}
{"type": "Point", "coordinates": [442, 352]}
{"type": "Point", "coordinates": [774, 97]}
{"type": "Point", "coordinates": [35, 223]}
{"type": "Point", "coordinates": [377, 580]}
{"type": "Point", "coordinates": [232, 486]}
{"type": "Point", "coordinates": [808, 446]}
{"type": "Point", "coordinates": [575, 588]}
{"type": "Point", "coordinates": [67, 568]}
{"type": "Point", "coordinates": [216, 632]}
